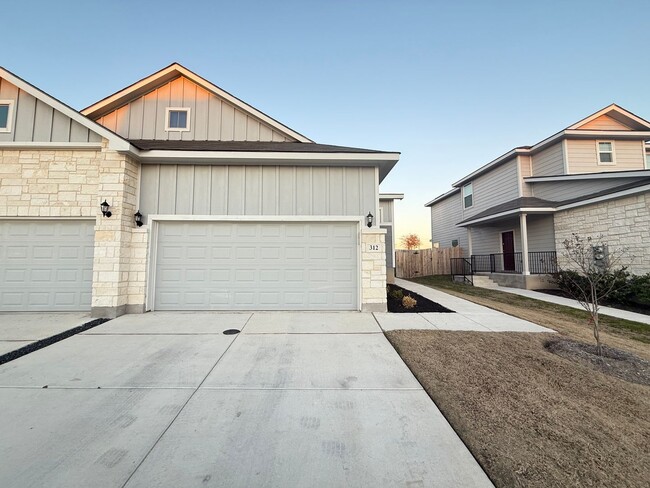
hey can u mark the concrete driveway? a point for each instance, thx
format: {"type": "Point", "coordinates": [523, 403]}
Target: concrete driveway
{"type": "Point", "coordinates": [165, 399]}
{"type": "Point", "coordinates": [17, 329]}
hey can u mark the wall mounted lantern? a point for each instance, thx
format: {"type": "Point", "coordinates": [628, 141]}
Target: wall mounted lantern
{"type": "Point", "coordinates": [138, 218]}
{"type": "Point", "coordinates": [105, 206]}
{"type": "Point", "coordinates": [369, 219]}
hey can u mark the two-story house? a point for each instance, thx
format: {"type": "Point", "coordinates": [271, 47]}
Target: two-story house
{"type": "Point", "coordinates": [512, 215]}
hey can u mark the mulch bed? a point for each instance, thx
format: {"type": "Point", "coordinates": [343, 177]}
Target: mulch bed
{"type": "Point", "coordinates": [423, 305]}
{"type": "Point", "coordinates": [613, 362]}
{"type": "Point", "coordinates": [532, 418]}
{"type": "Point", "coordinates": [629, 307]}
{"type": "Point", "coordinates": [35, 346]}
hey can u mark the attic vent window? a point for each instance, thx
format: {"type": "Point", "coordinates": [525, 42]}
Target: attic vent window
{"type": "Point", "coordinates": [6, 115]}
{"type": "Point", "coordinates": [177, 119]}
{"type": "Point", "coordinates": [606, 152]}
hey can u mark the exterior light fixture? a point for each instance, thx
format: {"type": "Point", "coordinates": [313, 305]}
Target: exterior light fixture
{"type": "Point", "coordinates": [105, 206]}
{"type": "Point", "coordinates": [138, 218]}
{"type": "Point", "coordinates": [369, 219]}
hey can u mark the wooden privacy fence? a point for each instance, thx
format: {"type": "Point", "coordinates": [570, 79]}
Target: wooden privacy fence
{"type": "Point", "coordinates": [425, 262]}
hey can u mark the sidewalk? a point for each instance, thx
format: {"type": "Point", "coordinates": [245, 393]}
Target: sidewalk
{"type": "Point", "coordinates": [567, 302]}
{"type": "Point", "coordinates": [469, 316]}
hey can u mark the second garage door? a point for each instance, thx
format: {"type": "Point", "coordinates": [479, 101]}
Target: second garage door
{"type": "Point", "coordinates": [256, 266]}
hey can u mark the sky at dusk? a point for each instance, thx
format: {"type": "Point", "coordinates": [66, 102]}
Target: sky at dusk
{"type": "Point", "coordinates": [450, 85]}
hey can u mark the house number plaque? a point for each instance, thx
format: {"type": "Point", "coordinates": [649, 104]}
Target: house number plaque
{"type": "Point", "coordinates": [373, 247]}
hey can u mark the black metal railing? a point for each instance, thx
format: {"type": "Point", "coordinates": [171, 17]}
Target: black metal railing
{"type": "Point", "coordinates": [539, 262]}
{"type": "Point", "coordinates": [462, 267]}
{"type": "Point", "coordinates": [542, 262]}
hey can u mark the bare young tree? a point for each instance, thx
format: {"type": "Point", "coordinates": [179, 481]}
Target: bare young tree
{"type": "Point", "coordinates": [591, 274]}
{"type": "Point", "coordinates": [410, 241]}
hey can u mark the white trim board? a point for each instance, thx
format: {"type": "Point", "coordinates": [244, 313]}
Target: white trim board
{"type": "Point", "coordinates": [115, 141]}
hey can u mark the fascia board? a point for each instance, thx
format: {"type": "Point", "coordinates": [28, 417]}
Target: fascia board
{"type": "Point", "coordinates": [115, 141]}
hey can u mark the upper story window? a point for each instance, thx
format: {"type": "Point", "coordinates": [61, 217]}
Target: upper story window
{"type": "Point", "coordinates": [468, 196]}
{"type": "Point", "coordinates": [606, 152]}
{"type": "Point", "coordinates": [6, 115]}
{"type": "Point", "coordinates": [177, 119]}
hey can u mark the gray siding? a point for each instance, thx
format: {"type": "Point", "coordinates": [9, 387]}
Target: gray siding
{"type": "Point", "coordinates": [541, 235]}
{"type": "Point", "coordinates": [257, 190]}
{"type": "Point", "coordinates": [583, 157]}
{"type": "Point", "coordinates": [211, 118]}
{"type": "Point", "coordinates": [390, 252]}
{"type": "Point", "coordinates": [35, 121]}
{"type": "Point", "coordinates": [386, 213]}
{"type": "Point", "coordinates": [444, 216]}
{"type": "Point", "coordinates": [498, 186]}
{"type": "Point", "coordinates": [557, 191]}
{"type": "Point", "coordinates": [549, 162]}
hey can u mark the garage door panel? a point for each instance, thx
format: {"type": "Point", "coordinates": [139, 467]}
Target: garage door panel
{"type": "Point", "coordinates": [46, 265]}
{"type": "Point", "coordinates": [264, 266]}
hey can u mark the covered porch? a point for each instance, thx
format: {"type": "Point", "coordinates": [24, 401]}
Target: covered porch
{"type": "Point", "coordinates": [513, 248]}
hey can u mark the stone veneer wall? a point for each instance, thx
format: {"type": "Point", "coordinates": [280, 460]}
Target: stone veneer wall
{"type": "Point", "coordinates": [119, 264]}
{"type": "Point", "coordinates": [373, 270]}
{"type": "Point", "coordinates": [49, 183]}
{"type": "Point", "coordinates": [624, 223]}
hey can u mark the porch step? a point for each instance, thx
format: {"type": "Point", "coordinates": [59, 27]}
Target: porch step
{"type": "Point", "coordinates": [484, 282]}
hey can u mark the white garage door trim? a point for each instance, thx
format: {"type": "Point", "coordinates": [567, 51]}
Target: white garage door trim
{"type": "Point", "coordinates": [155, 220]}
{"type": "Point", "coordinates": [53, 304]}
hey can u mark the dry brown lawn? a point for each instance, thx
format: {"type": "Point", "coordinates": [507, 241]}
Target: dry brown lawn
{"type": "Point", "coordinates": [530, 417]}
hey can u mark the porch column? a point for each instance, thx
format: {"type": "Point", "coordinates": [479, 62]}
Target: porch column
{"type": "Point", "coordinates": [469, 241]}
{"type": "Point", "coordinates": [524, 243]}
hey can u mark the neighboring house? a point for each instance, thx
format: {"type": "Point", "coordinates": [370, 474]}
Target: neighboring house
{"type": "Point", "coordinates": [512, 215]}
{"type": "Point", "coordinates": [387, 221]}
{"type": "Point", "coordinates": [238, 211]}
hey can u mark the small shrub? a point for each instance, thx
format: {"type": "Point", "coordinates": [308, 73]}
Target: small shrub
{"type": "Point", "coordinates": [409, 302]}
{"type": "Point", "coordinates": [640, 289]}
{"type": "Point", "coordinates": [397, 294]}
{"type": "Point", "coordinates": [617, 282]}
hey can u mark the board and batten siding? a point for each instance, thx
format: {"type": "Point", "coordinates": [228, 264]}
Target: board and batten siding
{"type": "Point", "coordinates": [498, 186]}
{"type": "Point", "coordinates": [549, 162]}
{"type": "Point", "coordinates": [583, 158]}
{"type": "Point", "coordinates": [445, 214]}
{"type": "Point", "coordinates": [211, 118]}
{"type": "Point", "coordinates": [184, 189]}
{"type": "Point", "coordinates": [35, 121]}
{"type": "Point", "coordinates": [557, 191]}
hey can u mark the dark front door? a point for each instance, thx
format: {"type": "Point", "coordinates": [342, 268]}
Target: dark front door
{"type": "Point", "coordinates": [508, 250]}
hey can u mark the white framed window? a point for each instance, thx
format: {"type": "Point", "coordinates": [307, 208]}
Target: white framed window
{"type": "Point", "coordinates": [6, 115]}
{"type": "Point", "coordinates": [605, 152]}
{"type": "Point", "coordinates": [177, 119]}
{"type": "Point", "coordinates": [468, 196]}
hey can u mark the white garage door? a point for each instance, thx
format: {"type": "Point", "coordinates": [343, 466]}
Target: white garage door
{"type": "Point", "coordinates": [46, 265]}
{"type": "Point", "coordinates": [256, 266]}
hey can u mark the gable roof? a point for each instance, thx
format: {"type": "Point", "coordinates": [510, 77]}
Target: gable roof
{"type": "Point", "coordinates": [115, 141]}
{"type": "Point", "coordinates": [619, 114]}
{"type": "Point", "coordinates": [642, 130]}
{"type": "Point", "coordinates": [169, 73]}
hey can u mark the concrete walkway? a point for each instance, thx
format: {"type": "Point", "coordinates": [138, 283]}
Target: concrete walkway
{"type": "Point", "coordinates": [469, 316]}
{"type": "Point", "coordinates": [567, 302]}
{"type": "Point", "coordinates": [165, 399]}
{"type": "Point", "coordinates": [17, 329]}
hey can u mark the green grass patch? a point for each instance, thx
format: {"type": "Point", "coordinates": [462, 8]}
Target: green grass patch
{"type": "Point", "coordinates": [636, 330]}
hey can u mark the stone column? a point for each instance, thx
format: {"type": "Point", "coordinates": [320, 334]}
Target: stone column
{"type": "Point", "coordinates": [373, 269]}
